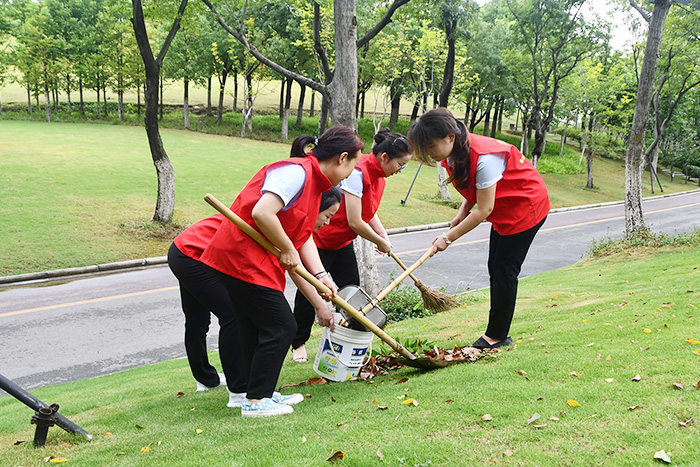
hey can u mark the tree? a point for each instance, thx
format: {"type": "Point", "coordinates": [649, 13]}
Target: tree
{"type": "Point", "coordinates": [165, 204]}
{"type": "Point", "coordinates": [556, 39]}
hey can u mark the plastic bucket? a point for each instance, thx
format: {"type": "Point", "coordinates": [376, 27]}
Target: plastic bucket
{"type": "Point", "coordinates": [341, 352]}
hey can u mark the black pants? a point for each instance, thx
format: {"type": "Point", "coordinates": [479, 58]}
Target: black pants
{"type": "Point", "coordinates": [201, 292]}
{"type": "Point", "coordinates": [342, 265]}
{"type": "Point", "coordinates": [265, 327]}
{"type": "Point", "coordinates": [506, 256]}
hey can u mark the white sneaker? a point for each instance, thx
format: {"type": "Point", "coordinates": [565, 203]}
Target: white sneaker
{"type": "Point", "coordinates": [201, 387]}
{"type": "Point", "coordinates": [265, 408]}
{"type": "Point", "coordinates": [287, 400]}
{"type": "Point", "coordinates": [235, 399]}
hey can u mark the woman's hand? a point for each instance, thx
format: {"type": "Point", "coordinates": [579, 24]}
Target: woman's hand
{"type": "Point", "coordinates": [384, 246]}
{"type": "Point", "coordinates": [289, 259]}
{"type": "Point", "coordinates": [439, 244]}
{"type": "Point", "coordinates": [324, 317]}
{"type": "Point", "coordinates": [328, 282]}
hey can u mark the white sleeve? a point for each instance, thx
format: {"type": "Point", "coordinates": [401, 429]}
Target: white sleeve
{"type": "Point", "coordinates": [489, 169]}
{"type": "Point", "coordinates": [286, 181]}
{"type": "Point", "coordinates": [353, 184]}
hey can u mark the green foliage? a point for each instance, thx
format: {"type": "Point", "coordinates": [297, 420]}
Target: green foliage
{"type": "Point", "coordinates": [142, 229]}
{"type": "Point", "coordinates": [415, 345]}
{"type": "Point", "coordinates": [404, 302]}
{"type": "Point", "coordinates": [643, 239]}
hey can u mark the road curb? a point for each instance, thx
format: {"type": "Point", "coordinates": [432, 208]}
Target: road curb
{"type": "Point", "coordinates": [160, 260]}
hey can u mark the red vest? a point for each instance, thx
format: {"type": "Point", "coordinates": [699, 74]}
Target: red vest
{"type": "Point", "coordinates": [521, 195]}
{"type": "Point", "coordinates": [338, 233]}
{"type": "Point", "coordinates": [195, 238]}
{"type": "Point", "coordinates": [233, 252]}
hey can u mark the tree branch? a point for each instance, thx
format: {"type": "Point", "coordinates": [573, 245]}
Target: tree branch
{"type": "Point", "coordinates": [382, 23]}
{"type": "Point", "coordinates": [318, 46]}
{"type": "Point", "coordinates": [171, 34]}
{"type": "Point", "coordinates": [636, 6]}
{"type": "Point", "coordinates": [263, 59]}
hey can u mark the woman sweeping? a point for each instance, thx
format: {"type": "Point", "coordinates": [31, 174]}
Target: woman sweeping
{"type": "Point", "coordinates": [500, 185]}
{"type": "Point", "coordinates": [281, 202]}
{"type": "Point", "coordinates": [357, 215]}
{"type": "Point", "coordinates": [202, 294]}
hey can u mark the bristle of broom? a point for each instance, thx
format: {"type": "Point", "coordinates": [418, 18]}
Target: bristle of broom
{"type": "Point", "coordinates": [435, 300]}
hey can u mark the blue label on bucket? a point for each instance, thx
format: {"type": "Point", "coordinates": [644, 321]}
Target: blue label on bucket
{"type": "Point", "coordinates": [337, 347]}
{"type": "Point", "coordinates": [358, 352]}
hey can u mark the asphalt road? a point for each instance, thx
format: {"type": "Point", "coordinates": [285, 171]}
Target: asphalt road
{"type": "Point", "coordinates": [57, 332]}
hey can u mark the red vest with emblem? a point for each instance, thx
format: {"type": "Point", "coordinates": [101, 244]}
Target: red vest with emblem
{"type": "Point", "coordinates": [233, 252]}
{"type": "Point", "coordinates": [338, 233]}
{"type": "Point", "coordinates": [521, 195]}
{"type": "Point", "coordinates": [195, 238]}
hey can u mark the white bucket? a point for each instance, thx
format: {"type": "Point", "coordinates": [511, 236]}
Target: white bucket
{"type": "Point", "coordinates": [341, 352]}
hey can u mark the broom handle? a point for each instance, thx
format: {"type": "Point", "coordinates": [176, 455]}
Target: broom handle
{"type": "Point", "coordinates": [396, 282]}
{"type": "Point", "coordinates": [403, 266]}
{"type": "Point", "coordinates": [320, 286]}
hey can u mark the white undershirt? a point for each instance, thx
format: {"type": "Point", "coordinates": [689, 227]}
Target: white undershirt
{"type": "Point", "coordinates": [286, 181]}
{"type": "Point", "coordinates": [489, 169]}
{"type": "Point", "coordinates": [353, 184]}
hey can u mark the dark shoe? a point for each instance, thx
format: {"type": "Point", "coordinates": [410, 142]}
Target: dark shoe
{"type": "Point", "coordinates": [482, 343]}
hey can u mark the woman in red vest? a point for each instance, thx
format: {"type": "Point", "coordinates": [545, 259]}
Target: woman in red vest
{"type": "Point", "coordinates": [202, 294]}
{"type": "Point", "coordinates": [281, 202]}
{"type": "Point", "coordinates": [357, 215]}
{"type": "Point", "coordinates": [499, 185]}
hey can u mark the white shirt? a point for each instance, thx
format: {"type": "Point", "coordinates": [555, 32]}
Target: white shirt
{"type": "Point", "coordinates": [489, 169]}
{"type": "Point", "coordinates": [353, 184]}
{"type": "Point", "coordinates": [286, 181]}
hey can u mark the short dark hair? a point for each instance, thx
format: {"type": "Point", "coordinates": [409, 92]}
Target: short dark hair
{"type": "Point", "coordinates": [334, 141]}
{"type": "Point", "coordinates": [329, 198]}
{"type": "Point", "coordinates": [395, 145]}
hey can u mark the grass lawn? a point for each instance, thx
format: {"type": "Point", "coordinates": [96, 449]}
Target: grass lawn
{"type": "Point", "coordinates": [583, 333]}
{"type": "Point", "coordinates": [80, 194]}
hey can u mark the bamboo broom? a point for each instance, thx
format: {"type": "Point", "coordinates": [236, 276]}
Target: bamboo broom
{"type": "Point", "coordinates": [433, 300]}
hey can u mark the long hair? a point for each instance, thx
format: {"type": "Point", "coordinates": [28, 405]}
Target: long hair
{"type": "Point", "coordinates": [437, 124]}
{"type": "Point", "coordinates": [395, 145]}
{"type": "Point", "coordinates": [329, 198]}
{"type": "Point", "coordinates": [334, 141]}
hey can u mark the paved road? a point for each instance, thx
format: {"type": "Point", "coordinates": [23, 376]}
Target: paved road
{"type": "Point", "coordinates": [102, 324]}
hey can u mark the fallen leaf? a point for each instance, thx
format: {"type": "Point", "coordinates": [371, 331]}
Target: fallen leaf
{"type": "Point", "coordinates": [678, 385]}
{"type": "Point", "coordinates": [697, 386]}
{"type": "Point", "coordinates": [407, 401]}
{"type": "Point", "coordinates": [508, 453]}
{"type": "Point", "coordinates": [638, 377]}
{"type": "Point", "coordinates": [573, 403]}
{"type": "Point", "coordinates": [338, 455]}
{"type": "Point", "coordinates": [585, 320]}
{"type": "Point", "coordinates": [138, 427]}
{"type": "Point", "coordinates": [375, 401]}
{"type": "Point", "coordinates": [667, 305]}
{"type": "Point", "coordinates": [339, 424]}
{"type": "Point", "coordinates": [696, 352]}
{"type": "Point", "coordinates": [533, 417]}
{"type": "Point", "coordinates": [578, 375]}
{"type": "Point", "coordinates": [192, 409]}
{"type": "Point", "coordinates": [107, 435]}
{"type": "Point", "coordinates": [311, 382]}
{"type": "Point", "coordinates": [180, 394]}
{"type": "Point", "coordinates": [609, 380]}
{"type": "Point", "coordinates": [692, 342]}
{"type": "Point", "coordinates": [382, 407]}
{"type": "Point", "coordinates": [449, 401]}
{"type": "Point", "coordinates": [17, 443]}
{"type": "Point", "coordinates": [590, 345]}
{"type": "Point", "coordinates": [486, 417]}
{"type": "Point", "coordinates": [554, 419]}
{"type": "Point", "coordinates": [539, 426]}
{"type": "Point", "coordinates": [198, 431]}
{"type": "Point", "coordinates": [607, 359]}
{"type": "Point", "coordinates": [332, 399]}
{"type": "Point", "coordinates": [646, 330]}
{"type": "Point", "coordinates": [303, 439]}
{"type": "Point", "coordinates": [522, 372]}
{"type": "Point", "coordinates": [402, 380]}
{"type": "Point", "coordinates": [56, 460]}
{"type": "Point", "coordinates": [683, 424]}
{"type": "Point", "coordinates": [145, 449]}
{"type": "Point", "coordinates": [380, 455]}
{"type": "Point", "coordinates": [634, 407]}
{"type": "Point", "coordinates": [662, 456]}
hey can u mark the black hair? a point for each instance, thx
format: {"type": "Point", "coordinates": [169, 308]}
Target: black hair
{"type": "Point", "coordinates": [332, 142]}
{"type": "Point", "coordinates": [329, 198]}
{"type": "Point", "coordinates": [395, 145]}
{"type": "Point", "coordinates": [437, 124]}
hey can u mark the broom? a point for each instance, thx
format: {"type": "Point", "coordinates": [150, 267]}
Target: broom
{"type": "Point", "coordinates": [433, 300]}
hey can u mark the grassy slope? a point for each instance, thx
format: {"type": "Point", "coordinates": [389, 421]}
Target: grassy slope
{"type": "Point", "coordinates": [67, 188]}
{"type": "Point", "coordinates": [589, 318]}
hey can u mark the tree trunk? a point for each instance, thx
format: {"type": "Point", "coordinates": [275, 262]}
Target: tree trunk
{"type": "Point", "coordinates": [448, 73]}
{"type": "Point", "coordinates": [161, 96]}
{"type": "Point", "coordinates": [287, 110]}
{"type": "Point", "coordinates": [634, 160]}
{"type": "Point", "coordinates": [563, 142]}
{"type": "Point", "coordinates": [362, 104]}
{"type": "Point", "coordinates": [82, 101]}
{"type": "Point", "coordinates": [300, 106]}
{"type": "Point", "coordinates": [104, 98]}
{"type": "Point", "coordinates": [235, 92]}
{"type": "Point", "coordinates": [138, 99]}
{"type": "Point", "coordinates": [500, 116]}
{"type": "Point", "coordinates": [487, 119]}
{"type": "Point", "coordinates": [249, 112]}
{"type": "Point", "coordinates": [367, 265]}
{"type": "Point", "coordinates": [496, 110]}
{"type": "Point", "coordinates": [68, 94]}
{"type": "Point", "coordinates": [208, 95]}
{"type": "Point", "coordinates": [282, 83]}
{"type": "Point", "coordinates": [47, 102]}
{"type": "Point", "coordinates": [222, 86]}
{"type": "Point", "coordinates": [442, 186]}
{"type": "Point", "coordinates": [186, 103]}
{"type": "Point", "coordinates": [589, 170]}
{"type": "Point", "coordinates": [165, 204]}
{"type": "Point", "coordinates": [343, 88]}
{"type": "Point", "coordinates": [394, 116]}
{"type": "Point", "coordinates": [120, 105]}
{"type": "Point", "coordinates": [29, 100]}
{"type": "Point", "coordinates": [313, 103]}
{"type": "Point", "coordinates": [99, 106]}
{"type": "Point", "coordinates": [323, 116]}
{"type": "Point", "coordinates": [414, 111]}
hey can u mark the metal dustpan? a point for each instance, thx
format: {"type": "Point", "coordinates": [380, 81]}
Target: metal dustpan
{"type": "Point", "coordinates": [359, 299]}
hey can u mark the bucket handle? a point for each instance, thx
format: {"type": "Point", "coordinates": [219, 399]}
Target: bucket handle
{"type": "Point", "coordinates": [326, 335]}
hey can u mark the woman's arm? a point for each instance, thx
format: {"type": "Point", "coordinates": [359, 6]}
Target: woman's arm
{"type": "Point", "coordinates": [309, 253]}
{"type": "Point", "coordinates": [485, 200]}
{"type": "Point", "coordinates": [353, 208]}
{"type": "Point", "coordinates": [265, 216]}
{"type": "Point", "coordinates": [324, 316]}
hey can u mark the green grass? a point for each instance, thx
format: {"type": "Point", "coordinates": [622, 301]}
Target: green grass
{"type": "Point", "coordinates": [589, 318]}
{"type": "Point", "coordinates": [76, 194]}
